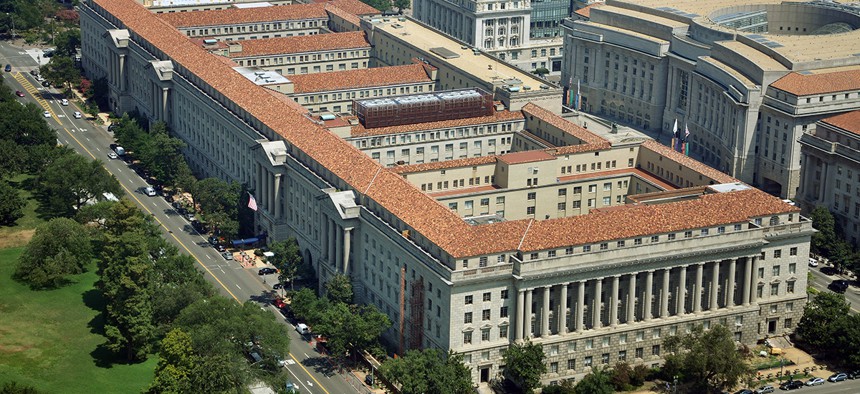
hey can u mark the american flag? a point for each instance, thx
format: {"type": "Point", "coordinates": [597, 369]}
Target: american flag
{"type": "Point", "coordinates": [252, 202]}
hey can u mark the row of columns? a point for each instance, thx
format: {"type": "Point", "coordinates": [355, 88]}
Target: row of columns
{"type": "Point", "coordinates": [268, 194]}
{"type": "Point", "coordinates": [614, 301]}
{"type": "Point", "coordinates": [338, 241]}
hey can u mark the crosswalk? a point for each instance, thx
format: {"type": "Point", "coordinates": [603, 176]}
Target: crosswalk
{"type": "Point", "coordinates": [35, 92]}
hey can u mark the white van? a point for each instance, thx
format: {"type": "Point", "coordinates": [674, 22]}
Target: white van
{"type": "Point", "coordinates": [303, 329]}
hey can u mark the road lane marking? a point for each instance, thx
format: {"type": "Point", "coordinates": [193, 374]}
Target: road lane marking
{"type": "Point", "coordinates": [308, 372]}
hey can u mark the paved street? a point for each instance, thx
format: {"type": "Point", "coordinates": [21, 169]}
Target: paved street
{"type": "Point", "coordinates": [820, 281]}
{"type": "Point", "coordinates": [306, 368]}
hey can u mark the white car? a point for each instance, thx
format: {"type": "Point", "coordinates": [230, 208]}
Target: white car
{"type": "Point", "coordinates": [46, 114]}
{"type": "Point", "coordinates": [112, 156]}
{"type": "Point", "coordinates": [78, 115]}
{"type": "Point", "coordinates": [813, 262]}
{"type": "Point", "coordinates": [815, 382]}
{"type": "Point", "coordinates": [64, 102]}
{"type": "Point", "coordinates": [149, 191]}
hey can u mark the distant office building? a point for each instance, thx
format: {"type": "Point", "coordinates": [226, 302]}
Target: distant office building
{"type": "Point", "coordinates": [747, 79]}
{"type": "Point", "coordinates": [830, 174]}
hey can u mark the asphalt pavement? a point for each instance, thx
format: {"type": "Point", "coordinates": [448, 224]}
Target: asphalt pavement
{"type": "Point", "coordinates": [820, 281]}
{"type": "Point", "coordinates": [311, 372]}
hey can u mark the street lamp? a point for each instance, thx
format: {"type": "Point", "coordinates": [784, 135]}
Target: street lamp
{"type": "Point", "coordinates": [12, 20]}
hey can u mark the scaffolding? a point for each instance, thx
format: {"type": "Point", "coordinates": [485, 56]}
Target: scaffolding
{"type": "Point", "coordinates": [420, 108]}
{"type": "Point", "coordinates": [416, 323]}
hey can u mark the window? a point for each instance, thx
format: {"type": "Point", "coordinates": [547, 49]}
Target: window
{"type": "Point", "coordinates": [571, 363]}
{"type": "Point", "coordinates": [656, 333]}
{"type": "Point", "coordinates": [792, 252]}
{"type": "Point", "coordinates": [774, 308]}
{"type": "Point", "coordinates": [468, 300]}
{"type": "Point", "coordinates": [604, 358]}
{"type": "Point", "coordinates": [622, 339]}
{"type": "Point", "coordinates": [655, 238]}
{"type": "Point", "coordinates": [761, 272]}
{"type": "Point", "coordinates": [774, 289]}
{"type": "Point", "coordinates": [688, 234]}
{"type": "Point", "coordinates": [485, 314]}
{"type": "Point", "coordinates": [487, 297]}
{"type": "Point", "coordinates": [562, 192]}
{"type": "Point", "coordinates": [640, 353]}
{"type": "Point", "coordinates": [604, 246]}
{"type": "Point", "coordinates": [467, 317]}
{"type": "Point", "coordinates": [503, 332]}
{"type": "Point", "coordinates": [655, 350]}
{"type": "Point", "coordinates": [789, 307]}
{"type": "Point", "coordinates": [670, 237]}
{"type": "Point", "coordinates": [586, 248]}
{"type": "Point", "coordinates": [604, 342]}
{"type": "Point", "coordinates": [703, 232]}
{"type": "Point", "coordinates": [531, 196]}
{"type": "Point", "coordinates": [777, 253]}
{"type": "Point", "coordinates": [776, 270]}
{"type": "Point", "coordinates": [592, 188]}
{"type": "Point", "coordinates": [553, 367]}
{"type": "Point", "coordinates": [503, 312]}
{"type": "Point", "coordinates": [467, 337]}
{"type": "Point", "coordinates": [485, 335]}
{"type": "Point", "coordinates": [788, 323]}
{"type": "Point", "coordinates": [640, 336]}
{"type": "Point", "coordinates": [588, 361]}
{"type": "Point", "coordinates": [589, 344]}
{"type": "Point", "coordinates": [792, 268]}
{"type": "Point", "coordinates": [622, 355]}
{"type": "Point", "coordinates": [789, 287]}
{"type": "Point", "coordinates": [530, 210]}
{"type": "Point", "coordinates": [619, 244]}
{"type": "Point", "coordinates": [504, 294]}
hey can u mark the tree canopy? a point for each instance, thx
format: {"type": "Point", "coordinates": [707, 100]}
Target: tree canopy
{"type": "Point", "coordinates": [11, 204]}
{"type": "Point", "coordinates": [59, 248]}
{"type": "Point", "coordinates": [429, 371]}
{"type": "Point", "coordinates": [339, 289]}
{"type": "Point", "coordinates": [706, 359]}
{"type": "Point", "coordinates": [61, 70]}
{"type": "Point", "coordinates": [596, 382]}
{"type": "Point", "coordinates": [71, 181]}
{"type": "Point", "coordinates": [524, 365]}
{"type": "Point", "coordinates": [817, 325]}
{"type": "Point", "coordinates": [287, 259]}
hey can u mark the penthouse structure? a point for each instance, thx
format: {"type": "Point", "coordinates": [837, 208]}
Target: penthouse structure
{"type": "Point", "coordinates": [159, 6]}
{"type": "Point", "coordinates": [298, 54]}
{"type": "Point", "coordinates": [690, 246]}
{"type": "Point", "coordinates": [830, 175]}
{"type": "Point", "coordinates": [747, 78]}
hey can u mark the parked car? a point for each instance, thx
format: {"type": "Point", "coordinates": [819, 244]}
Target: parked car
{"type": "Point", "coordinates": [34, 72]}
{"type": "Point", "coordinates": [220, 248]}
{"type": "Point", "coordinates": [744, 391]}
{"type": "Point", "coordinates": [8, 68]}
{"type": "Point", "coordinates": [64, 102]}
{"type": "Point", "coordinates": [791, 385]}
{"type": "Point", "coordinates": [227, 256]}
{"type": "Point", "coordinates": [112, 155]}
{"type": "Point", "coordinates": [278, 286]}
{"type": "Point", "coordinates": [266, 271]}
{"type": "Point", "coordinates": [46, 84]}
{"type": "Point", "coordinates": [828, 270]}
{"type": "Point", "coordinates": [149, 191]}
{"type": "Point", "coordinates": [303, 329]}
{"type": "Point", "coordinates": [813, 262]}
{"type": "Point", "coordinates": [854, 374]}
{"type": "Point", "coordinates": [213, 241]}
{"type": "Point", "coordinates": [46, 114]}
{"type": "Point", "coordinates": [815, 382]}
{"type": "Point", "coordinates": [19, 93]}
{"type": "Point", "coordinates": [838, 285]}
{"type": "Point", "coordinates": [78, 115]}
{"type": "Point", "coordinates": [765, 389]}
{"type": "Point", "coordinates": [279, 303]}
{"type": "Point", "coordinates": [838, 377]}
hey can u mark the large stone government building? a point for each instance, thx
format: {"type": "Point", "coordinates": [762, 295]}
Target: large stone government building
{"type": "Point", "coordinates": [747, 77]}
{"type": "Point", "coordinates": [477, 227]}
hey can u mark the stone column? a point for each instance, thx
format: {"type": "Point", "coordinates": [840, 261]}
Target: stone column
{"type": "Point", "coordinates": [631, 300]}
{"type": "Point", "coordinates": [277, 202]}
{"type": "Point", "coordinates": [520, 314]}
{"type": "Point", "coordinates": [580, 306]}
{"type": "Point", "coordinates": [730, 284]}
{"type": "Point", "coordinates": [748, 281]}
{"type": "Point", "coordinates": [715, 280]}
{"type": "Point", "coordinates": [332, 239]}
{"type": "Point", "coordinates": [347, 239]}
{"type": "Point", "coordinates": [664, 296]}
{"type": "Point", "coordinates": [163, 115]}
{"type": "Point", "coordinates": [613, 301]}
{"type": "Point", "coordinates": [646, 306]}
{"type": "Point", "coordinates": [527, 321]}
{"type": "Point", "coordinates": [338, 245]}
{"type": "Point", "coordinates": [596, 321]}
{"type": "Point", "coordinates": [544, 313]}
{"type": "Point", "coordinates": [680, 307]}
{"type": "Point", "coordinates": [121, 73]}
{"type": "Point", "coordinates": [562, 310]}
{"type": "Point", "coordinates": [697, 296]}
{"type": "Point", "coordinates": [754, 281]}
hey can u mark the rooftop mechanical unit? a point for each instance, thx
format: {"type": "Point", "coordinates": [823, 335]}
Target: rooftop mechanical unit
{"type": "Point", "coordinates": [420, 108]}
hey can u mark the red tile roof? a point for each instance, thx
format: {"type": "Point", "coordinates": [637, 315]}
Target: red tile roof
{"type": "Point", "coordinates": [586, 11]}
{"type": "Point", "coordinates": [354, 7]}
{"type": "Point", "coordinates": [354, 20]}
{"type": "Point", "coordinates": [498, 116]}
{"type": "Point", "coordinates": [849, 121]}
{"type": "Point", "coordinates": [823, 83]}
{"type": "Point", "coordinates": [361, 78]}
{"type": "Point", "coordinates": [301, 44]}
{"type": "Point", "coordinates": [351, 168]}
{"type": "Point", "coordinates": [441, 165]}
{"type": "Point", "coordinates": [686, 161]}
{"type": "Point", "coordinates": [529, 156]}
{"type": "Point", "coordinates": [236, 16]}
{"type": "Point", "coordinates": [563, 124]}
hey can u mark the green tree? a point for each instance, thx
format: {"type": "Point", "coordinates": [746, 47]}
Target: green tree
{"type": "Point", "coordinates": [11, 204]}
{"type": "Point", "coordinates": [596, 382]}
{"type": "Point", "coordinates": [287, 259]}
{"type": "Point", "coordinates": [846, 340]}
{"type": "Point", "coordinates": [175, 365]}
{"type": "Point", "coordinates": [339, 289]}
{"type": "Point", "coordinates": [125, 271]}
{"type": "Point", "coordinates": [350, 326]}
{"type": "Point", "coordinates": [817, 325]}
{"type": "Point", "coordinates": [176, 283]}
{"type": "Point", "coordinates": [825, 238]}
{"type": "Point", "coordinates": [219, 203]}
{"type": "Point", "coordinates": [541, 71]}
{"type": "Point", "coordinates": [59, 248]}
{"type": "Point", "coordinates": [402, 5]}
{"type": "Point", "coordinates": [307, 306]}
{"type": "Point", "coordinates": [61, 70]}
{"type": "Point", "coordinates": [15, 388]}
{"type": "Point", "coordinates": [429, 371]}
{"type": "Point", "coordinates": [620, 376]}
{"type": "Point", "coordinates": [524, 365]}
{"type": "Point", "coordinates": [708, 359]}
{"type": "Point", "coordinates": [68, 41]}
{"type": "Point", "coordinates": [72, 181]}
{"type": "Point", "coordinates": [162, 155]}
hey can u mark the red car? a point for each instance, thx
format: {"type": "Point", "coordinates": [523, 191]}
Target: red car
{"type": "Point", "coordinates": [19, 93]}
{"type": "Point", "coordinates": [279, 303]}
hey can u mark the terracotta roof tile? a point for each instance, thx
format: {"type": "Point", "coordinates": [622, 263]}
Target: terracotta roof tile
{"type": "Point", "coordinates": [235, 16]}
{"type": "Point", "coordinates": [641, 220]}
{"type": "Point", "coordinates": [849, 121]}
{"type": "Point", "coordinates": [686, 161]}
{"type": "Point", "coordinates": [497, 116]}
{"type": "Point", "coordinates": [529, 156]}
{"type": "Point", "coordinates": [354, 7]}
{"type": "Point", "coordinates": [361, 78]}
{"type": "Point", "coordinates": [310, 143]}
{"type": "Point", "coordinates": [441, 165]}
{"type": "Point", "coordinates": [356, 21]}
{"type": "Point", "coordinates": [463, 191]}
{"type": "Point", "coordinates": [586, 11]}
{"type": "Point", "coordinates": [586, 136]}
{"type": "Point", "coordinates": [302, 44]}
{"type": "Point", "coordinates": [820, 83]}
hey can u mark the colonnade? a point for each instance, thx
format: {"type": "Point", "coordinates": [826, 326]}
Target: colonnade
{"type": "Point", "coordinates": [628, 298]}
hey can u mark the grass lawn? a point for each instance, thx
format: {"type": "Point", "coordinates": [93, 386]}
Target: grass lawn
{"type": "Point", "coordinates": [22, 231]}
{"type": "Point", "coordinates": [50, 339]}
